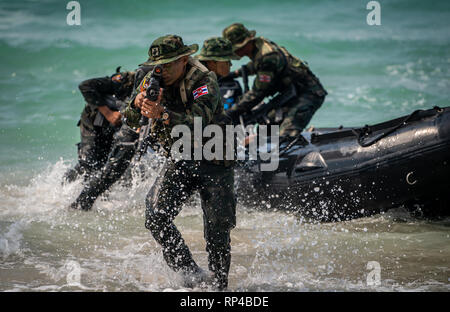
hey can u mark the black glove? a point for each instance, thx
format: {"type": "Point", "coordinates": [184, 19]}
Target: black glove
{"type": "Point", "coordinates": [234, 116]}
{"type": "Point", "coordinates": [232, 75]}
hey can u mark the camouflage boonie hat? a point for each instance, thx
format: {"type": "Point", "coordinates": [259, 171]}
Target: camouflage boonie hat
{"type": "Point", "coordinates": [217, 49]}
{"type": "Point", "coordinates": [167, 49]}
{"type": "Point", "coordinates": [238, 35]}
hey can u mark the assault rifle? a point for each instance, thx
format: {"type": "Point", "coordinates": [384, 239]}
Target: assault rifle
{"type": "Point", "coordinates": [152, 91]}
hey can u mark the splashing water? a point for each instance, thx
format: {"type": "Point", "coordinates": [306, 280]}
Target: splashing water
{"type": "Point", "coordinates": [372, 74]}
{"type": "Point", "coordinates": [273, 251]}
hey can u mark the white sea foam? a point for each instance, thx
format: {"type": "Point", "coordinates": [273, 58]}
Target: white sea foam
{"type": "Point", "coordinates": [10, 239]}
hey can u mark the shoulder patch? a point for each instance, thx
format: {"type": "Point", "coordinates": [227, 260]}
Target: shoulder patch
{"type": "Point", "coordinates": [264, 78]}
{"type": "Point", "coordinates": [203, 90]}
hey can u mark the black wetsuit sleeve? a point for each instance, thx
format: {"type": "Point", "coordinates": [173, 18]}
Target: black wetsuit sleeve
{"type": "Point", "coordinates": [94, 90]}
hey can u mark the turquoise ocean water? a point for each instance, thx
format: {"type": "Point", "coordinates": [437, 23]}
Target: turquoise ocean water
{"type": "Point", "coordinates": [372, 74]}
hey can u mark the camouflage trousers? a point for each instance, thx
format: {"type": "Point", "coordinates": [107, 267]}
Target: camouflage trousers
{"type": "Point", "coordinates": [118, 160]}
{"type": "Point", "coordinates": [298, 113]}
{"type": "Point", "coordinates": [164, 201]}
{"type": "Point", "coordinates": [93, 151]}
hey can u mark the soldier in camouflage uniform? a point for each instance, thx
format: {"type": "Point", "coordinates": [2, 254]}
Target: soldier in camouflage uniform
{"type": "Point", "coordinates": [190, 90]}
{"type": "Point", "coordinates": [123, 148]}
{"type": "Point", "coordinates": [105, 99]}
{"type": "Point", "coordinates": [216, 54]}
{"type": "Point", "coordinates": [276, 70]}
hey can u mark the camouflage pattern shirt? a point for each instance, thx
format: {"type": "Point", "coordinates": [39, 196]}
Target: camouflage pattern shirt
{"type": "Point", "coordinates": [202, 99]}
{"type": "Point", "coordinates": [275, 68]}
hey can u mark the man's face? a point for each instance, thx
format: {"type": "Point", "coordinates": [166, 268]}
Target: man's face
{"type": "Point", "coordinates": [220, 68]}
{"type": "Point", "coordinates": [223, 68]}
{"type": "Point", "coordinates": [245, 50]}
{"type": "Point", "coordinates": [174, 70]}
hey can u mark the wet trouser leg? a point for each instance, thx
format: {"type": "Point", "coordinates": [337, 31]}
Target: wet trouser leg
{"type": "Point", "coordinates": [92, 152]}
{"type": "Point", "coordinates": [118, 161]}
{"type": "Point", "coordinates": [164, 202]}
{"type": "Point", "coordinates": [299, 113]}
{"type": "Point", "coordinates": [219, 217]}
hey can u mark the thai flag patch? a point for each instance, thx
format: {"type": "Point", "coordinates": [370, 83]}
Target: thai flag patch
{"type": "Point", "coordinates": [200, 91]}
{"type": "Point", "coordinates": [264, 78]}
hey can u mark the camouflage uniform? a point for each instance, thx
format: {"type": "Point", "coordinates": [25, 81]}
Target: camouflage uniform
{"type": "Point", "coordinates": [221, 50]}
{"type": "Point", "coordinates": [276, 69]}
{"type": "Point", "coordinates": [96, 132]}
{"type": "Point", "coordinates": [214, 179]}
{"type": "Point", "coordinates": [118, 160]}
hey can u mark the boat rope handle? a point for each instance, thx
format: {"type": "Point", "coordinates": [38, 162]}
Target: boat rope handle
{"type": "Point", "coordinates": [363, 132]}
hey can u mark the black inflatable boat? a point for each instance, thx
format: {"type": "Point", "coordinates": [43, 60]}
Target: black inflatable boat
{"type": "Point", "coordinates": [343, 173]}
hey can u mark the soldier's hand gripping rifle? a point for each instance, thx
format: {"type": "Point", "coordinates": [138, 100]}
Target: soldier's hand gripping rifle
{"type": "Point", "coordinates": [152, 93]}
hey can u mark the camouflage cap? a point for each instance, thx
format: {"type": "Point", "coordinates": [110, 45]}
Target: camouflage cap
{"type": "Point", "coordinates": [238, 35]}
{"type": "Point", "coordinates": [167, 49]}
{"type": "Point", "coordinates": [217, 49]}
